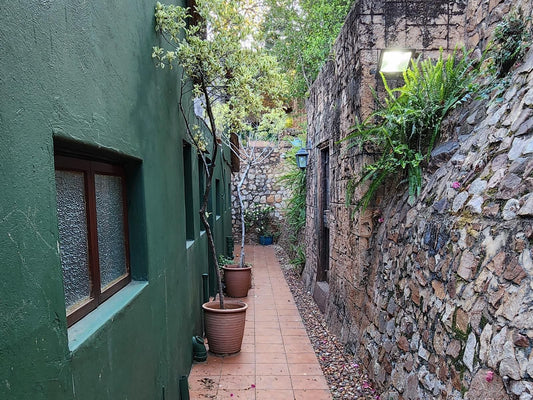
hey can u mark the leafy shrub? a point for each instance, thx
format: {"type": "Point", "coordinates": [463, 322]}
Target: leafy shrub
{"type": "Point", "coordinates": [298, 259]}
{"type": "Point", "coordinates": [294, 180]}
{"type": "Point", "coordinates": [510, 41]}
{"type": "Point", "coordinates": [406, 127]}
{"type": "Point", "coordinates": [295, 211]}
{"type": "Point", "coordinates": [300, 34]}
{"type": "Point", "coordinates": [259, 217]}
{"type": "Point", "coordinates": [223, 260]}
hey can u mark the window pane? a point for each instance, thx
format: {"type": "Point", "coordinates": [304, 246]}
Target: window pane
{"type": "Point", "coordinates": [110, 227]}
{"type": "Point", "coordinates": [73, 244]}
{"type": "Point", "coordinates": [188, 188]}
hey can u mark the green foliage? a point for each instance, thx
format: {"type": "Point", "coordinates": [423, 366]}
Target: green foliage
{"type": "Point", "coordinates": [300, 34]}
{"type": "Point", "coordinates": [295, 211]}
{"type": "Point", "coordinates": [222, 57]}
{"type": "Point", "coordinates": [510, 41]}
{"type": "Point", "coordinates": [259, 217]}
{"type": "Point", "coordinates": [223, 260]}
{"type": "Point", "coordinates": [406, 127]}
{"type": "Point", "coordinates": [294, 180]}
{"type": "Point", "coordinates": [298, 256]}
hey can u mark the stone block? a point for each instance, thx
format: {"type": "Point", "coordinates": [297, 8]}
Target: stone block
{"type": "Point", "coordinates": [467, 266]}
{"type": "Point", "coordinates": [509, 365]}
{"type": "Point", "coordinates": [438, 287]}
{"type": "Point", "coordinates": [470, 351]}
{"type": "Point", "coordinates": [520, 340]}
{"type": "Point", "coordinates": [456, 379]}
{"type": "Point", "coordinates": [486, 388]}
{"type": "Point", "coordinates": [496, 352]}
{"type": "Point", "coordinates": [403, 343]}
{"type": "Point", "coordinates": [484, 343]}
{"type": "Point", "coordinates": [461, 320]}
{"type": "Point", "coordinates": [513, 300]}
{"type": "Point", "coordinates": [514, 272]}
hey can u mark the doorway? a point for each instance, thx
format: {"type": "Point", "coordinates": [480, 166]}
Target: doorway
{"type": "Point", "coordinates": [321, 290]}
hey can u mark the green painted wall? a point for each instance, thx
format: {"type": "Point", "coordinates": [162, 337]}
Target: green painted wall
{"type": "Point", "coordinates": [82, 70]}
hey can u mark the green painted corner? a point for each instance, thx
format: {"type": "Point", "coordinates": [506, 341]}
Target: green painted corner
{"type": "Point", "coordinates": [82, 72]}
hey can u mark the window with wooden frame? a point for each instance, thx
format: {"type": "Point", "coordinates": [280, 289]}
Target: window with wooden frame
{"type": "Point", "coordinates": [188, 191]}
{"type": "Point", "coordinates": [218, 198]}
{"type": "Point", "coordinates": [93, 232]}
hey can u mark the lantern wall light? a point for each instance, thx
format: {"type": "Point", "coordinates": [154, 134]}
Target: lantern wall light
{"type": "Point", "coordinates": [301, 158]}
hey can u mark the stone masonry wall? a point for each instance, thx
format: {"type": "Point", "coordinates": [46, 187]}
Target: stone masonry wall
{"type": "Point", "coordinates": [437, 299]}
{"type": "Point", "coordinates": [261, 187]}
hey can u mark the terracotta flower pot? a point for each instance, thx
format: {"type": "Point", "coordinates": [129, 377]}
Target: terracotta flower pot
{"type": "Point", "coordinates": [224, 328]}
{"type": "Point", "coordinates": [238, 280]}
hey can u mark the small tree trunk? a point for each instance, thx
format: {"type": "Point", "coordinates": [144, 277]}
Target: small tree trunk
{"type": "Point", "coordinates": [205, 198]}
{"type": "Point", "coordinates": [241, 204]}
{"type": "Point", "coordinates": [213, 252]}
{"type": "Point", "coordinates": [205, 222]}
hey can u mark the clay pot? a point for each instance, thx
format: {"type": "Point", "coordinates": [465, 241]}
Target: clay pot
{"type": "Point", "coordinates": [224, 328]}
{"type": "Point", "coordinates": [238, 280]}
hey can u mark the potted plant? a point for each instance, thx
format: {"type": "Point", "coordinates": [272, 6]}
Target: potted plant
{"type": "Point", "coordinates": [235, 88]}
{"type": "Point", "coordinates": [238, 280]}
{"type": "Point", "coordinates": [259, 217]}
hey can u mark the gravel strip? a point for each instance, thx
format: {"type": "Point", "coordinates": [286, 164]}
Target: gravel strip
{"type": "Point", "coordinates": [345, 377]}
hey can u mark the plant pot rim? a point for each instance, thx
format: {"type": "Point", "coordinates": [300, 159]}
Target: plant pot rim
{"type": "Point", "coordinates": [214, 306]}
{"type": "Point", "coordinates": [233, 267]}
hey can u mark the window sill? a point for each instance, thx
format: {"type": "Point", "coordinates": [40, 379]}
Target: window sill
{"type": "Point", "coordinates": [90, 324]}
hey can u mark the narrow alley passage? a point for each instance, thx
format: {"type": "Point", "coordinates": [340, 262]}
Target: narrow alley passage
{"type": "Point", "coordinates": [277, 361]}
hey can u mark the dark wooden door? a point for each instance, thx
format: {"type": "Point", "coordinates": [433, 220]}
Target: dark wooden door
{"type": "Point", "coordinates": [324, 211]}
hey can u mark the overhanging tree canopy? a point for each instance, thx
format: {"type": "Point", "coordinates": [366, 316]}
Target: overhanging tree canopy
{"type": "Point", "coordinates": [239, 87]}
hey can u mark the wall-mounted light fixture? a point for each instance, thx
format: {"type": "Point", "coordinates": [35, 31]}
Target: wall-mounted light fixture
{"type": "Point", "coordinates": [395, 61]}
{"type": "Point", "coordinates": [301, 158]}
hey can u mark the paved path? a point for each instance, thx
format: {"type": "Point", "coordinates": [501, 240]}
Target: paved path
{"type": "Point", "coordinates": [277, 361]}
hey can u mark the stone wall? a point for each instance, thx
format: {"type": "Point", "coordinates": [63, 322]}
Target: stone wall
{"type": "Point", "coordinates": [435, 299]}
{"type": "Point", "coordinates": [262, 187]}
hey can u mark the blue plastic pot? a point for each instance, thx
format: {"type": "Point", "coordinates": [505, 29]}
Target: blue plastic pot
{"type": "Point", "coordinates": [266, 240]}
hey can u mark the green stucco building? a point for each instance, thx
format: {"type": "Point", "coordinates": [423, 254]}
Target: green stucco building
{"type": "Point", "coordinates": [95, 166]}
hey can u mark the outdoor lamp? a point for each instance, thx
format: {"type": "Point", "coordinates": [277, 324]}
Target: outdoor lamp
{"type": "Point", "coordinates": [301, 158]}
{"type": "Point", "coordinates": [395, 61]}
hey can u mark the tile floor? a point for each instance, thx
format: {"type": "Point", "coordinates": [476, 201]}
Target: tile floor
{"type": "Point", "coordinates": [277, 361]}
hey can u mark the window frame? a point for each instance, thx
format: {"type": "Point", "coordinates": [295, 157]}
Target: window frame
{"type": "Point", "coordinates": [90, 168]}
{"type": "Point", "coordinates": [188, 199]}
{"type": "Point", "coordinates": [218, 199]}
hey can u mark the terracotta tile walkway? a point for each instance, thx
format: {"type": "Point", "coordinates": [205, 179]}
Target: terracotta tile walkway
{"type": "Point", "coordinates": [277, 361]}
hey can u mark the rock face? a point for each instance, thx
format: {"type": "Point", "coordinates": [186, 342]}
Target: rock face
{"type": "Point", "coordinates": [436, 299]}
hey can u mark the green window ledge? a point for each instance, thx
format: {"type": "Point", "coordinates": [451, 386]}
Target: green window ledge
{"type": "Point", "coordinates": [82, 330]}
